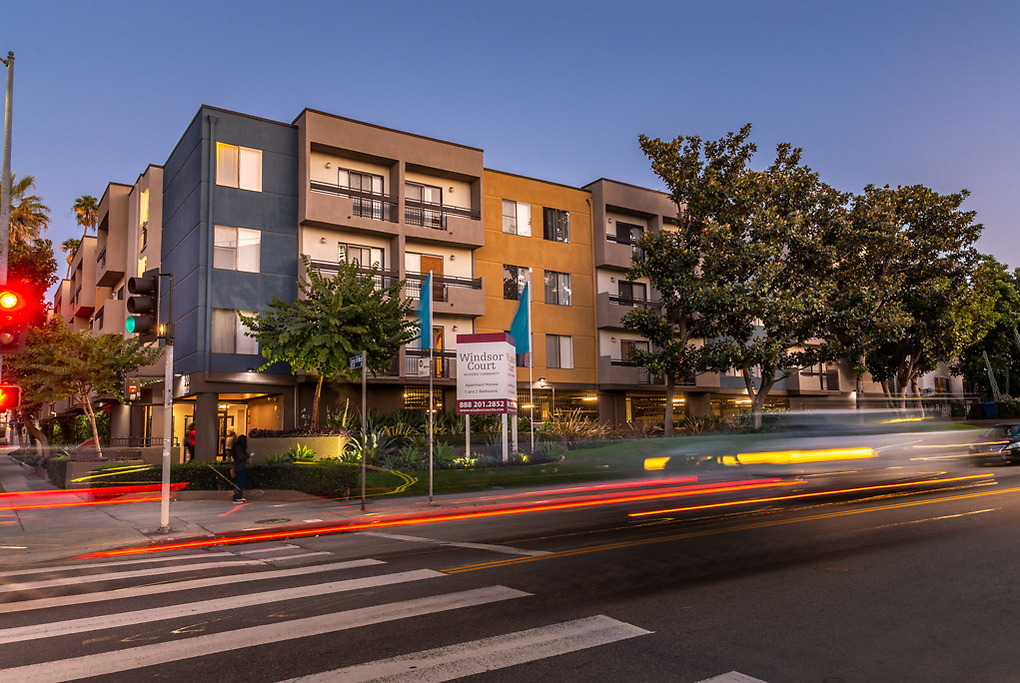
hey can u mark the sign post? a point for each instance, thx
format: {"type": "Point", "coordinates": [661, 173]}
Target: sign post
{"type": "Point", "coordinates": [360, 361]}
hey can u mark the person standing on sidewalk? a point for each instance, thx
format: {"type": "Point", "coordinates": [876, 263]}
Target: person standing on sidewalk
{"type": "Point", "coordinates": [239, 470]}
{"type": "Point", "coordinates": [189, 441]}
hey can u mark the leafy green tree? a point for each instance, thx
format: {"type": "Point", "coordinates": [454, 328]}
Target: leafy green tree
{"type": "Point", "coordinates": [926, 284]}
{"type": "Point", "coordinates": [754, 257]}
{"type": "Point", "coordinates": [335, 317]}
{"type": "Point", "coordinates": [86, 211]}
{"type": "Point", "coordinates": [29, 216]}
{"type": "Point", "coordinates": [1001, 343]}
{"type": "Point", "coordinates": [60, 364]}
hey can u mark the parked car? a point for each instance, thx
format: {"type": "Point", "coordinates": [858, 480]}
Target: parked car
{"type": "Point", "coordinates": [999, 445]}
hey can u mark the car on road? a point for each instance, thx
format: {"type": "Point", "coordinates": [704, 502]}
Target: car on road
{"type": "Point", "coordinates": [999, 445]}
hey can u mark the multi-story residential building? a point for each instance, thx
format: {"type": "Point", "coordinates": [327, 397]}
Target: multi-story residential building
{"type": "Point", "coordinates": [241, 200]}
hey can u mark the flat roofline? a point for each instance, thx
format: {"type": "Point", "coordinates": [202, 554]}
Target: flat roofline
{"type": "Point", "coordinates": [537, 180]}
{"type": "Point", "coordinates": [620, 182]}
{"type": "Point", "coordinates": [247, 116]}
{"type": "Point", "coordinates": [308, 110]}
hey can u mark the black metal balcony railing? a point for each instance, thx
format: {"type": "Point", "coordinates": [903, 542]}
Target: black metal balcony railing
{"type": "Point", "coordinates": [382, 278]}
{"type": "Point", "coordinates": [433, 215]}
{"type": "Point", "coordinates": [634, 303]}
{"type": "Point", "coordinates": [371, 205]}
{"type": "Point", "coordinates": [416, 363]}
{"type": "Point", "coordinates": [440, 285]}
{"type": "Point", "coordinates": [643, 376]}
{"type": "Point", "coordinates": [101, 258]}
{"type": "Point", "coordinates": [143, 236]}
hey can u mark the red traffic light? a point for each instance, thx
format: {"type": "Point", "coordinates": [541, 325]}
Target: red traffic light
{"type": "Point", "coordinates": [10, 396]}
{"type": "Point", "coordinates": [11, 300]}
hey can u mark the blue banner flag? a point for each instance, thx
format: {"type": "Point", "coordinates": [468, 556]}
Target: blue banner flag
{"type": "Point", "coordinates": [520, 330]}
{"type": "Point", "coordinates": [425, 313]}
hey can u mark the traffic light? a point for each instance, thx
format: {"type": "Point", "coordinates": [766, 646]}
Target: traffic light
{"type": "Point", "coordinates": [143, 305]}
{"type": "Point", "coordinates": [10, 397]}
{"type": "Point", "coordinates": [13, 319]}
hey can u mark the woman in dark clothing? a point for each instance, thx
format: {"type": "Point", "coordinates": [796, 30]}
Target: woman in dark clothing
{"type": "Point", "coordinates": [239, 451]}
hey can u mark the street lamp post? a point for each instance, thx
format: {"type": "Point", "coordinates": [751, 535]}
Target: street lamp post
{"type": "Point", "coordinates": [5, 170]}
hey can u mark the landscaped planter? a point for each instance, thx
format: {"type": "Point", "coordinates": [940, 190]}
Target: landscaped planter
{"type": "Point", "coordinates": [324, 446]}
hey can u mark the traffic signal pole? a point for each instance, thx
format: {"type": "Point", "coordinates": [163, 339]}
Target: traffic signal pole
{"type": "Point", "coordinates": [168, 407]}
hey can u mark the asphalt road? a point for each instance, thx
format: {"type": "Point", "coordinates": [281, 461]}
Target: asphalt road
{"type": "Point", "coordinates": [903, 583]}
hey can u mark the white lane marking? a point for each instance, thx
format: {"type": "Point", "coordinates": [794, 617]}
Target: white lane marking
{"type": "Point", "coordinates": [487, 654]}
{"type": "Point", "coordinates": [732, 677]}
{"type": "Point", "coordinates": [173, 587]}
{"type": "Point", "coordinates": [475, 546]}
{"type": "Point", "coordinates": [119, 563]}
{"type": "Point", "coordinates": [312, 520]}
{"type": "Point", "coordinates": [112, 576]}
{"type": "Point", "coordinates": [255, 636]}
{"type": "Point", "coordinates": [935, 519]}
{"type": "Point", "coordinates": [63, 628]}
{"type": "Point", "coordinates": [281, 558]}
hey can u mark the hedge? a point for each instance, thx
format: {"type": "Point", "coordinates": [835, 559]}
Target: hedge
{"type": "Point", "coordinates": [327, 479]}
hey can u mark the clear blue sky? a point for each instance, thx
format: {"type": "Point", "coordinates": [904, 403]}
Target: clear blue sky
{"type": "Point", "coordinates": [875, 92]}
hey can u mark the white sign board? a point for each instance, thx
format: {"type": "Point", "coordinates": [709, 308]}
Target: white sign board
{"type": "Point", "coordinates": [486, 374]}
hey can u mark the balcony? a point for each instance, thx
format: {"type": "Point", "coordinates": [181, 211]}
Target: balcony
{"type": "Point", "coordinates": [331, 204]}
{"type": "Point", "coordinates": [626, 372]}
{"type": "Point", "coordinates": [814, 381]}
{"type": "Point", "coordinates": [416, 363]}
{"type": "Point", "coordinates": [614, 252]}
{"type": "Point", "coordinates": [83, 303]}
{"type": "Point", "coordinates": [382, 278]}
{"type": "Point", "coordinates": [440, 223]}
{"type": "Point", "coordinates": [450, 295]}
{"type": "Point", "coordinates": [611, 308]}
{"type": "Point", "coordinates": [109, 318]}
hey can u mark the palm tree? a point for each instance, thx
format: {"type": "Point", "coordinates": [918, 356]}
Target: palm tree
{"type": "Point", "coordinates": [29, 216]}
{"type": "Point", "coordinates": [86, 211]}
{"type": "Point", "coordinates": [70, 247]}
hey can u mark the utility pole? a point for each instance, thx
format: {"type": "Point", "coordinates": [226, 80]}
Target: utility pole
{"type": "Point", "coordinates": [5, 171]}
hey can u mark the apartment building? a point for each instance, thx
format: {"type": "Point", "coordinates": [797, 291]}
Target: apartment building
{"type": "Point", "coordinates": [241, 199]}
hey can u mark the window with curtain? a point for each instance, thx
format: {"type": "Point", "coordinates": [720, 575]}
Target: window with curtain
{"type": "Point", "coordinates": [557, 288]}
{"type": "Point", "coordinates": [238, 167]}
{"type": "Point", "coordinates": [556, 225]}
{"type": "Point", "coordinates": [237, 249]}
{"type": "Point", "coordinates": [228, 333]}
{"type": "Point", "coordinates": [559, 351]}
{"type": "Point", "coordinates": [516, 218]}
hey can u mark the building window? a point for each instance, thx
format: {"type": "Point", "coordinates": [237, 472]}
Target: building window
{"type": "Point", "coordinates": [417, 398]}
{"type": "Point", "coordinates": [559, 351]}
{"type": "Point", "coordinates": [228, 333]}
{"type": "Point", "coordinates": [237, 249]}
{"type": "Point", "coordinates": [238, 167]}
{"type": "Point", "coordinates": [143, 219]}
{"type": "Point", "coordinates": [822, 376]}
{"type": "Point", "coordinates": [365, 257]}
{"type": "Point", "coordinates": [632, 292]}
{"type": "Point", "coordinates": [557, 288]}
{"type": "Point", "coordinates": [942, 385]}
{"type": "Point", "coordinates": [143, 265]}
{"type": "Point", "coordinates": [629, 346]}
{"type": "Point", "coordinates": [516, 218]}
{"type": "Point", "coordinates": [419, 198]}
{"type": "Point", "coordinates": [556, 225]}
{"type": "Point", "coordinates": [514, 279]}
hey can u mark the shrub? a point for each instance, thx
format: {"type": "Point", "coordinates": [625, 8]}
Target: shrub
{"type": "Point", "coordinates": [280, 433]}
{"type": "Point", "coordinates": [56, 470]}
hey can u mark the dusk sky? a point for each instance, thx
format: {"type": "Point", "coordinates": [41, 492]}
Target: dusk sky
{"type": "Point", "coordinates": [890, 92]}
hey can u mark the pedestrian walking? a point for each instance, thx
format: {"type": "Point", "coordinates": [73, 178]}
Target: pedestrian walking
{"type": "Point", "coordinates": [189, 441]}
{"type": "Point", "coordinates": [239, 470]}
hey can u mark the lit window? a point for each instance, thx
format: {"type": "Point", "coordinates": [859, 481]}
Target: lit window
{"type": "Point", "coordinates": [237, 249]}
{"type": "Point", "coordinates": [238, 167]}
{"type": "Point", "coordinates": [228, 333]}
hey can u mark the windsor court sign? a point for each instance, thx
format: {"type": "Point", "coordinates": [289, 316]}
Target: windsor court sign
{"type": "Point", "coordinates": [486, 374]}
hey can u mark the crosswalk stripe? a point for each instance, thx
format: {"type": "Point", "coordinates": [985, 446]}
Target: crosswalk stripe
{"type": "Point", "coordinates": [274, 549]}
{"type": "Point", "coordinates": [732, 677]}
{"type": "Point", "coordinates": [453, 544]}
{"type": "Point", "coordinates": [152, 571]}
{"type": "Point", "coordinates": [173, 587]}
{"type": "Point", "coordinates": [70, 567]}
{"type": "Point", "coordinates": [254, 636]}
{"type": "Point", "coordinates": [63, 628]}
{"type": "Point", "coordinates": [487, 654]}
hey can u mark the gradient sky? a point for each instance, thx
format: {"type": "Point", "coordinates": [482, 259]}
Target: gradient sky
{"type": "Point", "coordinates": [889, 92]}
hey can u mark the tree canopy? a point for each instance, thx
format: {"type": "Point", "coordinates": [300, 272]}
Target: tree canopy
{"type": "Point", "coordinates": [334, 318]}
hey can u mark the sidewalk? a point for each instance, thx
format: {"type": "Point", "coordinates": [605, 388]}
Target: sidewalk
{"type": "Point", "coordinates": [44, 532]}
